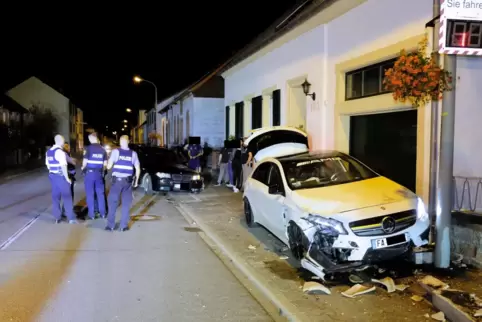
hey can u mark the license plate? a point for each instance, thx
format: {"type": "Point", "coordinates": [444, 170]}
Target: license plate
{"type": "Point", "coordinates": [381, 243]}
{"type": "Point", "coordinates": [389, 241]}
{"type": "Point", "coordinates": [177, 186]}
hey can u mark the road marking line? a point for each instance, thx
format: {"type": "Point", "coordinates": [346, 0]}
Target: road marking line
{"type": "Point", "coordinates": [195, 197]}
{"type": "Point", "coordinates": [19, 233]}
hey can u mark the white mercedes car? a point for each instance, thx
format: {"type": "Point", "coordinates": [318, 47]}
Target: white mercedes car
{"type": "Point", "coordinates": [336, 214]}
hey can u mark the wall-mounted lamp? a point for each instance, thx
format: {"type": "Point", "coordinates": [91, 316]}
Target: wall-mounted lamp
{"type": "Point", "coordinates": [306, 89]}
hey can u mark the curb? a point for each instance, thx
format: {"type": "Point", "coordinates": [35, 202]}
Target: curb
{"type": "Point", "coordinates": [13, 176]}
{"type": "Point", "coordinates": [451, 311]}
{"type": "Point", "coordinates": [276, 305]}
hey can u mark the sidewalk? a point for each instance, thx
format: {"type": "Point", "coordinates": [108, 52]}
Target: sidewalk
{"type": "Point", "coordinates": [29, 166]}
{"type": "Point", "coordinates": [218, 212]}
{"type": "Point", "coordinates": [158, 271]}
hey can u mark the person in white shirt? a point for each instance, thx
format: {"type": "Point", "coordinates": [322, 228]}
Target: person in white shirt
{"type": "Point", "coordinates": [56, 162]}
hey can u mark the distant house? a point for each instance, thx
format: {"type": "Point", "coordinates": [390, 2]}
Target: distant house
{"type": "Point", "coordinates": [34, 92]}
{"type": "Point", "coordinates": [196, 111]}
{"type": "Point", "coordinates": [137, 133]}
{"type": "Point", "coordinates": [13, 118]}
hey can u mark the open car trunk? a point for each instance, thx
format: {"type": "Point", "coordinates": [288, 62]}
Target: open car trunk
{"type": "Point", "coordinates": [274, 142]}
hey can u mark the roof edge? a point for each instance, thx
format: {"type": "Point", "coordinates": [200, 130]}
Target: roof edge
{"type": "Point", "coordinates": [267, 38]}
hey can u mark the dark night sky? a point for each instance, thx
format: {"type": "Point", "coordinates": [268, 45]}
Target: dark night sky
{"type": "Point", "coordinates": [93, 53]}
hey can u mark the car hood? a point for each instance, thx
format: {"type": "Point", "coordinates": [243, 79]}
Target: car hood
{"type": "Point", "coordinates": [350, 196]}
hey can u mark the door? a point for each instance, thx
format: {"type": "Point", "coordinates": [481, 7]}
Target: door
{"type": "Point", "coordinates": [276, 141]}
{"type": "Point", "coordinates": [387, 143]}
{"type": "Point", "coordinates": [256, 188]}
{"type": "Point", "coordinates": [274, 205]}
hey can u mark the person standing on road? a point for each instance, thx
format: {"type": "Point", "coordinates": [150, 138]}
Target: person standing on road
{"type": "Point", "coordinates": [72, 172]}
{"type": "Point", "coordinates": [247, 161]}
{"type": "Point", "coordinates": [195, 151]}
{"type": "Point", "coordinates": [223, 167]}
{"type": "Point", "coordinates": [93, 165]}
{"type": "Point", "coordinates": [56, 162]}
{"type": "Point", "coordinates": [237, 169]}
{"type": "Point", "coordinates": [123, 162]}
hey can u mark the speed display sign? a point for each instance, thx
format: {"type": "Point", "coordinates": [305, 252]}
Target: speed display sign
{"type": "Point", "coordinates": [460, 27]}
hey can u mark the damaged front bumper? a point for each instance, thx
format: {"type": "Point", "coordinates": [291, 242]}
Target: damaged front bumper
{"type": "Point", "coordinates": [334, 251]}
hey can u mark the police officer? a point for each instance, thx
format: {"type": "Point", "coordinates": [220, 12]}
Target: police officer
{"type": "Point", "coordinates": [93, 165]}
{"type": "Point", "coordinates": [72, 172]}
{"type": "Point", "coordinates": [56, 161]}
{"type": "Point", "coordinates": [123, 162]}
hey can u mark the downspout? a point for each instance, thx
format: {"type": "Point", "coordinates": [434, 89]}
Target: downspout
{"type": "Point", "coordinates": [434, 125]}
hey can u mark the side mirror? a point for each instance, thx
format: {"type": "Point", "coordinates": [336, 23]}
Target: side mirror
{"type": "Point", "coordinates": [273, 189]}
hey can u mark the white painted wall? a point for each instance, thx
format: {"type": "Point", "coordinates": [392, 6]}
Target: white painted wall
{"type": "Point", "coordinates": [314, 54]}
{"type": "Point", "coordinates": [208, 120]}
{"type": "Point", "coordinates": [468, 118]}
{"type": "Point", "coordinates": [34, 91]}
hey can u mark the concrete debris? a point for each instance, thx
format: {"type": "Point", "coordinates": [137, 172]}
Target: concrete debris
{"type": "Point", "coordinates": [401, 287]}
{"type": "Point", "coordinates": [357, 290]}
{"type": "Point", "coordinates": [434, 282]}
{"type": "Point", "coordinates": [440, 316]}
{"type": "Point", "coordinates": [252, 247]}
{"type": "Point", "coordinates": [478, 313]}
{"type": "Point", "coordinates": [387, 282]}
{"type": "Point", "coordinates": [417, 298]}
{"type": "Point", "coordinates": [314, 288]}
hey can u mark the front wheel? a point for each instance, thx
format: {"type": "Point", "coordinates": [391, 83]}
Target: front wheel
{"type": "Point", "coordinates": [147, 185]}
{"type": "Point", "coordinates": [248, 214]}
{"type": "Point", "coordinates": [296, 239]}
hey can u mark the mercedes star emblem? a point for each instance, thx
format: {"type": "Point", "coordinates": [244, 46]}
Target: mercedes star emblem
{"type": "Point", "coordinates": [388, 225]}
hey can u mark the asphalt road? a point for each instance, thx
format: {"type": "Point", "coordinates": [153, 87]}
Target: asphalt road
{"type": "Point", "coordinates": [158, 271]}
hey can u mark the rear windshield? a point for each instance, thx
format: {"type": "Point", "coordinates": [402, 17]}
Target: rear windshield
{"type": "Point", "coordinates": [322, 172]}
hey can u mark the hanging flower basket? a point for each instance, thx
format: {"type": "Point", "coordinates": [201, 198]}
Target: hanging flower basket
{"type": "Point", "coordinates": [417, 78]}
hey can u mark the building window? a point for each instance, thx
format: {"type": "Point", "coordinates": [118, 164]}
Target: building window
{"type": "Point", "coordinates": [276, 107]}
{"type": "Point", "coordinates": [367, 81]}
{"type": "Point", "coordinates": [227, 122]}
{"type": "Point", "coordinates": [239, 120]}
{"type": "Point", "coordinates": [257, 112]}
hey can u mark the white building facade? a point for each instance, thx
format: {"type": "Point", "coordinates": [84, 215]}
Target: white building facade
{"type": "Point", "coordinates": [196, 111]}
{"type": "Point", "coordinates": [70, 118]}
{"type": "Point", "coordinates": [335, 50]}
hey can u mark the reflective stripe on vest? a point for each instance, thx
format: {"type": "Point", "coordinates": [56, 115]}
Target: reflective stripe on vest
{"type": "Point", "coordinates": [52, 162]}
{"type": "Point", "coordinates": [95, 157]}
{"type": "Point", "coordinates": [124, 164]}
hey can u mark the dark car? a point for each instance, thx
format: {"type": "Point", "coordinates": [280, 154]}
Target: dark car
{"type": "Point", "coordinates": [162, 171]}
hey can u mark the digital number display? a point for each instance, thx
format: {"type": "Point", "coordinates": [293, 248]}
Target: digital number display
{"type": "Point", "coordinates": [464, 34]}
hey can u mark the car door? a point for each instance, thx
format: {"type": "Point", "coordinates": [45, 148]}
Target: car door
{"type": "Point", "coordinates": [274, 203]}
{"type": "Point", "coordinates": [257, 188]}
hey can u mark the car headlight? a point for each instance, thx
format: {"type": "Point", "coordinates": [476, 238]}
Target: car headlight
{"type": "Point", "coordinates": [163, 175]}
{"type": "Point", "coordinates": [196, 177]}
{"type": "Point", "coordinates": [328, 223]}
{"type": "Point", "coordinates": [422, 214]}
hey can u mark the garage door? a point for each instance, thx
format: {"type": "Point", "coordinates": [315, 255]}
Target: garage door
{"type": "Point", "coordinates": [387, 143]}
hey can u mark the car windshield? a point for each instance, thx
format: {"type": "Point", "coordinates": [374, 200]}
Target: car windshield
{"type": "Point", "coordinates": [325, 171]}
{"type": "Point", "coordinates": [156, 155]}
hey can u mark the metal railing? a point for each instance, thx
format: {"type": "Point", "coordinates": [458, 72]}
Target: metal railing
{"type": "Point", "coordinates": [468, 194]}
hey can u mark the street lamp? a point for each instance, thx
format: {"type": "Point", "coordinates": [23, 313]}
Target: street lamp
{"type": "Point", "coordinates": [138, 79]}
{"type": "Point", "coordinates": [125, 121]}
{"type": "Point", "coordinates": [128, 110]}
